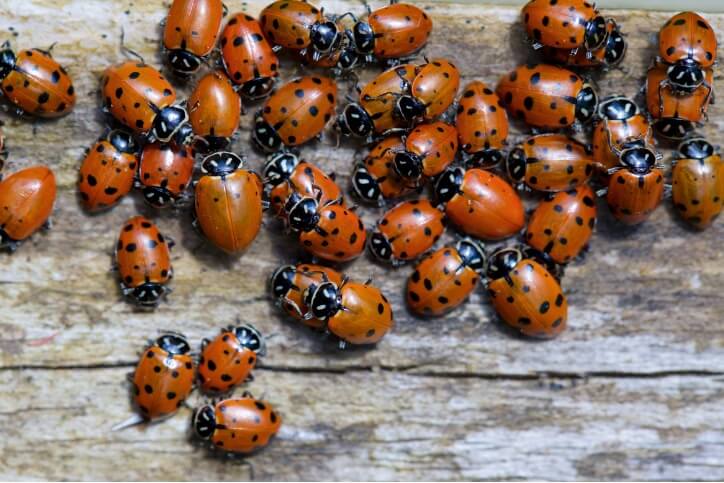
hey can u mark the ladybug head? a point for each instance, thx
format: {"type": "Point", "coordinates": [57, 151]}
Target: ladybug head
{"type": "Point", "coordinates": [674, 128]}
{"type": "Point", "coordinates": [409, 108]}
{"type": "Point", "coordinates": [183, 62]}
{"type": "Point", "coordinates": [148, 295]}
{"type": "Point", "coordinates": [205, 421]}
{"type": "Point", "coordinates": [615, 47]}
{"type": "Point", "coordinates": [282, 281]}
{"type": "Point", "coordinates": [324, 300]}
{"type": "Point", "coordinates": [122, 141]}
{"type": "Point", "coordinates": [249, 337]}
{"type": "Point", "coordinates": [380, 247]}
{"type": "Point", "coordinates": [7, 62]}
{"type": "Point", "coordinates": [364, 38]}
{"type": "Point", "coordinates": [448, 184]}
{"type": "Point", "coordinates": [638, 159]}
{"type": "Point", "coordinates": [485, 159]}
{"type": "Point", "coordinates": [617, 108]}
{"type": "Point", "coordinates": [596, 31]}
{"type": "Point", "coordinates": [348, 59]}
{"type": "Point", "coordinates": [696, 148]}
{"type": "Point", "coordinates": [407, 165]}
{"type": "Point", "coordinates": [586, 103]}
{"type": "Point", "coordinates": [265, 136]}
{"type": "Point", "coordinates": [515, 164]}
{"type": "Point", "coordinates": [543, 259]}
{"type": "Point", "coordinates": [257, 88]}
{"type": "Point", "coordinates": [222, 163]}
{"type": "Point", "coordinates": [502, 262]}
{"type": "Point", "coordinates": [365, 185]}
{"type": "Point", "coordinates": [685, 76]}
{"type": "Point", "coordinates": [302, 213]}
{"type": "Point", "coordinates": [174, 344]}
{"type": "Point", "coordinates": [157, 197]}
{"type": "Point", "coordinates": [472, 253]}
{"type": "Point", "coordinates": [171, 124]}
{"type": "Point", "coordinates": [354, 121]}
{"type": "Point", "coordinates": [325, 37]}
{"type": "Point", "coordinates": [280, 167]}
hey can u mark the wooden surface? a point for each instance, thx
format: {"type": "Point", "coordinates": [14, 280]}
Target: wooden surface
{"type": "Point", "coordinates": [634, 389]}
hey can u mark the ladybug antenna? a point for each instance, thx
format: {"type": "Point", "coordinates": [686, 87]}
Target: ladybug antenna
{"type": "Point", "coordinates": [125, 50]}
{"type": "Point", "coordinates": [134, 420]}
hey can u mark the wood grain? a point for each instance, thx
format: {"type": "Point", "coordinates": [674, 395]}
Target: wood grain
{"type": "Point", "coordinates": [457, 397]}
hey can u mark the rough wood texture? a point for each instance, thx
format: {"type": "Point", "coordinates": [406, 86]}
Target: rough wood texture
{"type": "Point", "coordinates": [633, 389]}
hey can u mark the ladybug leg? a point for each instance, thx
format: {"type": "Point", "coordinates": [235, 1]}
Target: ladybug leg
{"type": "Point", "coordinates": [707, 100]}
{"type": "Point", "coordinates": [204, 343]}
{"type": "Point", "coordinates": [276, 48]}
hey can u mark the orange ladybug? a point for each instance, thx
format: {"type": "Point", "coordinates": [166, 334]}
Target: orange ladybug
{"type": "Point", "coordinates": [563, 223]}
{"type": "Point", "coordinates": [397, 30]}
{"type": "Point", "coordinates": [407, 231]}
{"type": "Point", "coordinates": [165, 172]}
{"type": "Point", "coordinates": [240, 425]}
{"type": "Point", "coordinates": [618, 120]}
{"type": "Point", "coordinates": [289, 284]}
{"type": "Point", "coordinates": [480, 203]}
{"type": "Point", "coordinates": [190, 32]}
{"type": "Point", "coordinates": [108, 169]}
{"type": "Point", "coordinates": [164, 377]}
{"type": "Point", "coordinates": [429, 149]}
{"type": "Point", "coordinates": [228, 202]}
{"type": "Point", "coordinates": [26, 201]}
{"type": "Point", "coordinates": [297, 112]}
{"type": "Point", "coordinates": [698, 183]}
{"type": "Point", "coordinates": [525, 295]}
{"type": "Point", "coordinates": [214, 110]}
{"type": "Point", "coordinates": [374, 180]}
{"type": "Point", "coordinates": [550, 162]}
{"type": "Point", "coordinates": [610, 54]}
{"type": "Point", "coordinates": [357, 313]}
{"type": "Point", "coordinates": [432, 91]}
{"type": "Point", "coordinates": [139, 97]}
{"type": "Point", "coordinates": [547, 97]}
{"type": "Point", "coordinates": [443, 280]}
{"type": "Point", "coordinates": [482, 125]}
{"type": "Point", "coordinates": [229, 358]}
{"type": "Point", "coordinates": [35, 83]}
{"type": "Point", "coordinates": [248, 58]}
{"type": "Point", "coordinates": [564, 24]}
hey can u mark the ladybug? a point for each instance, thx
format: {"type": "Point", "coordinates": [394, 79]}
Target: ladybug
{"type": "Point", "coordinates": [240, 425]}
{"type": "Point", "coordinates": [164, 377]}
{"type": "Point", "coordinates": [248, 58]}
{"type": "Point", "coordinates": [143, 257]}
{"type": "Point", "coordinates": [35, 83]}
{"type": "Point", "coordinates": [329, 231]}
{"type": "Point", "coordinates": [443, 280]}
{"type": "Point", "coordinates": [480, 203]}
{"type": "Point", "coordinates": [431, 92]}
{"type": "Point", "coordinates": [357, 313]}
{"type": "Point", "coordinates": [618, 120]}
{"type": "Point", "coordinates": [289, 284]}
{"type": "Point", "coordinates": [374, 113]}
{"type": "Point", "coordinates": [397, 30]}
{"type": "Point", "coordinates": [139, 97]}
{"type": "Point", "coordinates": [609, 55]}
{"type": "Point", "coordinates": [698, 183]}
{"type": "Point", "coordinates": [108, 169]}
{"type": "Point", "coordinates": [688, 43]}
{"type": "Point", "coordinates": [563, 223]}
{"type": "Point", "coordinates": [547, 97]}
{"type": "Point", "coordinates": [284, 173]}
{"type": "Point", "coordinates": [635, 189]}
{"type": "Point", "coordinates": [429, 149]}
{"type": "Point", "coordinates": [214, 110]}
{"type": "Point", "coordinates": [482, 125]}
{"type": "Point", "coordinates": [375, 180]}
{"type": "Point", "coordinates": [407, 231]}
{"type": "Point", "coordinates": [165, 172]}
{"type": "Point", "coordinates": [564, 24]}
{"type": "Point", "coordinates": [550, 162]}
{"type": "Point", "coordinates": [298, 25]}
{"type": "Point", "coordinates": [190, 32]}
{"type": "Point", "coordinates": [297, 112]}
{"type": "Point", "coordinates": [228, 202]}
{"type": "Point", "coordinates": [676, 114]}
{"type": "Point", "coordinates": [26, 201]}
{"type": "Point", "coordinates": [525, 295]}
{"type": "Point", "coordinates": [229, 358]}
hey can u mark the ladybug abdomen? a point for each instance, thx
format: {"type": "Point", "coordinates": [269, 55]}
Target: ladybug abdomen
{"type": "Point", "coordinates": [377, 97]}
{"type": "Point", "coordinates": [436, 143]}
{"type": "Point", "coordinates": [288, 23]}
{"type": "Point", "coordinates": [214, 107]}
{"type": "Point", "coordinates": [481, 119]}
{"type": "Point", "coordinates": [26, 201]}
{"type": "Point", "coordinates": [555, 162]}
{"type": "Point", "coordinates": [225, 363]}
{"type": "Point", "coordinates": [106, 176]}
{"type": "Point", "coordinates": [162, 382]}
{"type": "Point", "coordinates": [560, 24]}
{"type": "Point", "coordinates": [193, 26]}
{"type": "Point", "coordinates": [688, 35]}
{"type": "Point", "coordinates": [698, 190]}
{"type": "Point", "coordinates": [339, 237]}
{"type": "Point", "coordinates": [246, 53]}
{"type": "Point", "coordinates": [142, 253]}
{"type": "Point", "coordinates": [400, 29]}
{"type": "Point", "coordinates": [367, 316]}
{"type": "Point", "coordinates": [436, 85]}
{"type": "Point", "coordinates": [411, 228]}
{"type": "Point", "coordinates": [633, 197]}
{"type": "Point", "coordinates": [440, 283]}
{"type": "Point", "coordinates": [244, 425]}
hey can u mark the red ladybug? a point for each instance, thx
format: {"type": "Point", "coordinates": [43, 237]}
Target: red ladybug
{"type": "Point", "coordinates": [241, 425]}
{"type": "Point", "coordinates": [525, 295]}
{"type": "Point", "coordinates": [297, 112]}
{"type": "Point", "coordinates": [698, 183]}
{"type": "Point", "coordinates": [618, 120]}
{"type": "Point", "coordinates": [289, 284]}
{"type": "Point", "coordinates": [482, 125]}
{"type": "Point", "coordinates": [26, 201]}
{"type": "Point", "coordinates": [165, 172]}
{"type": "Point", "coordinates": [431, 92]}
{"type": "Point", "coordinates": [688, 43]}
{"type": "Point", "coordinates": [139, 97]}
{"type": "Point", "coordinates": [190, 33]}
{"type": "Point", "coordinates": [228, 202]}
{"type": "Point", "coordinates": [563, 223]}
{"type": "Point", "coordinates": [143, 256]}
{"type": "Point", "coordinates": [480, 203]}
{"type": "Point", "coordinates": [375, 180]}
{"type": "Point", "coordinates": [35, 83]}
{"type": "Point", "coordinates": [108, 170]}
{"type": "Point", "coordinates": [610, 54]}
{"type": "Point", "coordinates": [357, 313]}
{"type": "Point", "coordinates": [550, 162]}
{"type": "Point", "coordinates": [248, 58]}
{"type": "Point", "coordinates": [229, 358]}
{"type": "Point", "coordinates": [214, 110]}
{"type": "Point", "coordinates": [564, 24]}
{"type": "Point", "coordinates": [397, 30]}
{"type": "Point", "coordinates": [429, 149]}
{"type": "Point", "coordinates": [547, 97]}
{"type": "Point", "coordinates": [407, 231]}
{"type": "Point", "coordinates": [443, 280]}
